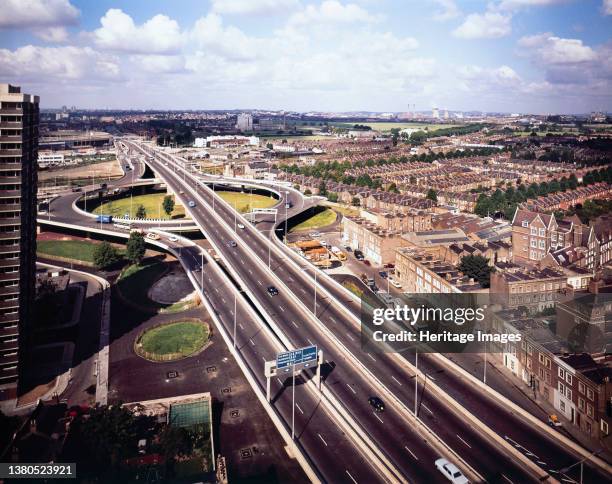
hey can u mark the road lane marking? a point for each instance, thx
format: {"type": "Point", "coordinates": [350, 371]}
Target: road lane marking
{"type": "Point", "coordinates": [333, 320]}
{"type": "Point", "coordinates": [298, 407]}
{"type": "Point", "coordinates": [293, 322]}
{"type": "Point", "coordinates": [259, 282]}
{"type": "Point", "coordinates": [310, 342]}
{"type": "Point", "coordinates": [507, 479]}
{"type": "Point", "coordinates": [322, 439]}
{"type": "Point", "coordinates": [426, 408]}
{"type": "Point", "coordinates": [376, 415]}
{"type": "Point", "coordinates": [279, 380]}
{"type": "Point", "coordinates": [281, 308]}
{"type": "Point", "coordinates": [371, 357]}
{"type": "Point", "coordinates": [430, 377]}
{"type": "Point", "coordinates": [224, 301]}
{"type": "Point", "coordinates": [349, 335]}
{"type": "Point", "coordinates": [349, 474]}
{"type": "Point", "coordinates": [351, 389]}
{"type": "Point", "coordinates": [396, 380]}
{"type": "Point", "coordinates": [411, 453]}
{"type": "Point", "coordinates": [240, 324]}
{"type": "Point", "coordinates": [250, 271]}
{"type": "Point", "coordinates": [468, 445]}
{"type": "Point", "coordinates": [252, 342]}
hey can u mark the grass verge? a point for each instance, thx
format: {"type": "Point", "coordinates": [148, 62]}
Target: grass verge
{"type": "Point", "coordinates": [173, 340]}
{"type": "Point", "coordinates": [245, 202]}
{"type": "Point", "coordinates": [77, 250]}
{"type": "Point", "coordinates": [151, 202]}
{"type": "Point", "coordinates": [135, 281]}
{"type": "Point", "coordinates": [322, 219]}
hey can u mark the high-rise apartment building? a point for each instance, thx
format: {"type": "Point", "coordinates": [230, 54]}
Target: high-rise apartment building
{"type": "Point", "coordinates": [18, 153]}
{"type": "Point", "coordinates": [244, 122]}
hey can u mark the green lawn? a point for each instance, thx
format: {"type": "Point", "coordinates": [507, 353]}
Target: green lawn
{"type": "Point", "coordinates": [79, 250]}
{"type": "Point", "coordinates": [183, 337]}
{"type": "Point", "coordinates": [151, 202]}
{"type": "Point", "coordinates": [320, 220]}
{"type": "Point", "coordinates": [245, 202]}
{"type": "Point", "coordinates": [387, 126]}
{"type": "Point", "coordinates": [135, 281]}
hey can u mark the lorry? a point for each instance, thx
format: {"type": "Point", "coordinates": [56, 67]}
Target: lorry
{"type": "Point", "coordinates": [104, 219]}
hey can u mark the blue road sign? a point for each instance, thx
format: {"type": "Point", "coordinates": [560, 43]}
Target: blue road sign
{"type": "Point", "coordinates": [296, 357]}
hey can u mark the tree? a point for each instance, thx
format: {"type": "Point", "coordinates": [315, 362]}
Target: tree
{"type": "Point", "coordinates": [141, 212]}
{"type": "Point", "coordinates": [105, 255]}
{"type": "Point", "coordinates": [322, 188]}
{"type": "Point", "coordinates": [307, 192]}
{"type": "Point", "coordinates": [477, 267]}
{"type": "Point", "coordinates": [432, 195]}
{"type": "Point", "coordinates": [135, 249]}
{"type": "Point", "coordinates": [168, 204]}
{"type": "Point", "coordinates": [483, 205]}
{"type": "Point", "coordinates": [332, 197]}
{"type": "Point", "coordinates": [393, 188]}
{"type": "Point", "coordinates": [355, 202]}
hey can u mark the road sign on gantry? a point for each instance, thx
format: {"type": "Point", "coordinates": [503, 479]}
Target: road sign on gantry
{"type": "Point", "coordinates": [297, 359]}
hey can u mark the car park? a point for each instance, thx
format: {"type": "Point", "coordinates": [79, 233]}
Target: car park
{"type": "Point", "coordinates": [272, 291]}
{"type": "Point", "coordinates": [451, 471]}
{"type": "Point", "coordinates": [377, 404]}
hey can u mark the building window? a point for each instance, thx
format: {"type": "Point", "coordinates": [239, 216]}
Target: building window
{"type": "Point", "coordinates": [534, 231]}
{"type": "Point", "coordinates": [562, 405]}
{"type": "Point", "coordinates": [525, 223]}
{"type": "Point", "coordinates": [604, 427]}
{"type": "Point", "coordinates": [581, 387]}
{"type": "Point", "coordinates": [590, 394]}
{"type": "Point", "coordinates": [542, 232]}
{"type": "Point", "coordinates": [590, 410]}
{"type": "Point", "coordinates": [542, 244]}
{"type": "Point", "coordinates": [568, 378]}
{"type": "Point", "coordinates": [533, 243]}
{"type": "Point", "coordinates": [561, 373]}
{"type": "Point", "coordinates": [581, 404]}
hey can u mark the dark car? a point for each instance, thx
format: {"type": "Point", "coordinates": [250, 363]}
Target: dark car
{"type": "Point", "coordinates": [272, 291]}
{"type": "Point", "coordinates": [359, 255]}
{"type": "Point", "coordinates": [348, 249]}
{"type": "Point", "coordinates": [103, 185]}
{"type": "Point", "coordinates": [232, 243]}
{"type": "Point", "coordinates": [366, 262]}
{"type": "Point", "coordinates": [377, 404]}
{"type": "Point", "coordinates": [383, 274]}
{"type": "Point", "coordinates": [76, 189]}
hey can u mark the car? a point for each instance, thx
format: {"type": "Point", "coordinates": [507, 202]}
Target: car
{"type": "Point", "coordinates": [103, 185]}
{"type": "Point", "coordinates": [171, 375]}
{"type": "Point", "coordinates": [389, 266]}
{"type": "Point", "coordinates": [323, 243]}
{"type": "Point", "coordinates": [241, 226]}
{"type": "Point", "coordinates": [173, 238]}
{"type": "Point", "coordinates": [76, 189]}
{"type": "Point", "coordinates": [314, 235]}
{"type": "Point", "coordinates": [153, 236]}
{"type": "Point", "coordinates": [554, 421]}
{"type": "Point", "coordinates": [348, 248]}
{"type": "Point", "coordinates": [377, 404]}
{"type": "Point", "coordinates": [366, 262]}
{"type": "Point", "coordinates": [232, 243]}
{"type": "Point", "coordinates": [395, 283]}
{"type": "Point", "coordinates": [181, 192]}
{"type": "Point", "coordinates": [450, 471]}
{"type": "Point", "coordinates": [383, 274]}
{"type": "Point", "coordinates": [272, 291]}
{"type": "Point", "coordinates": [191, 203]}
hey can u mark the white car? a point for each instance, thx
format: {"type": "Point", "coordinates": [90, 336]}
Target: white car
{"type": "Point", "coordinates": [240, 226]}
{"type": "Point", "coordinates": [153, 236]}
{"type": "Point", "coordinates": [394, 283]}
{"type": "Point", "coordinates": [314, 234]}
{"type": "Point", "coordinates": [173, 238]}
{"type": "Point", "coordinates": [451, 472]}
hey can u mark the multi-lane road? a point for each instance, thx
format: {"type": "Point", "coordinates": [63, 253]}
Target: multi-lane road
{"type": "Point", "coordinates": [351, 375]}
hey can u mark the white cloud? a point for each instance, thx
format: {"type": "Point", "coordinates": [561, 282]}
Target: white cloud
{"type": "Point", "coordinates": [489, 25]}
{"type": "Point", "coordinates": [52, 34]}
{"type": "Point", "coordinates": [159, 64]}
{"type": "Point", "coordinates": [332, 11]}
{"type": "Point", "coordinates": [37, 13]}
{"type": "Point", "coordinates": [606, 7]}
{"type": "Point", "coordinates": [251, 7]}
{"type": "Point", "coordinates": [61, 63]}
{"type": "Point", "coordinates": [548, 49]}
{"type": "Point", "coordinates": [210, 34]}
{"type": "Point", "coordinates": [448, 10]}
{"type": "Point", "coordinates": [158, 35]}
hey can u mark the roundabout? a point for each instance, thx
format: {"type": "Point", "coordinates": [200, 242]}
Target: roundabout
{"type": "Point", "coordinates": [172, 341]}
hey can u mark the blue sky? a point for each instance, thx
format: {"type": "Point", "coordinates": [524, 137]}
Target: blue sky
{"type": "Point", "coordinates": [527, 56]}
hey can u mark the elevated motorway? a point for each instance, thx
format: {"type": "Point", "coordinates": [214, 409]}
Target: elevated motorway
{"type": "Point", "coordinates": [356, 376]}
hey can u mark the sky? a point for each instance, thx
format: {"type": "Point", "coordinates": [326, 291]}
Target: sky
{"type": "Point", "coordinates": [515, 56]}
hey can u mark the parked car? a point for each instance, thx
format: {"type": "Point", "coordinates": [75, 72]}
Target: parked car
{"type": "Point", "coordinates": [103, 185]}
{"type": "Point", "coordinates": [359, 255]}
{"type": "Point", "coordinates": [554, 421]}
{"type": "Point", "coordinates": [153, 236]}
{"type": "Point", "coordinates": [314, 235]}
{"type": "Point", "coordinates": [366, 262]}
{"type": "Point", "coordinates": [232, 243]}
{"type": "Point", "coordinates": [389, 266]}
{"type": "Point", "coordinates": [76, 189]}
{"type": "Point", "coordinates": [272, 291]}
{"type": "Point", "coordinates": [451, 472]}
{"type": "Point", "coordinates": [377, 404]}
{"type": "Point", "coordinates": [348, 248]}
{"type": "Point", "coordinates": [173, 238]}
{"type": "Point", "coordinates": [395, 283]}
{"type": "Point", "coordinates": [383, 274]}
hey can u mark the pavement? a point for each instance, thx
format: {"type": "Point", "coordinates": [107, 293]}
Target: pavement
{"type": "Point", "coordinates": [243, 432]}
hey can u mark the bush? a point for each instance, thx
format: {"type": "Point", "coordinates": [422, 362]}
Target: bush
{"type": "Point", "coordinates": [105, 255]}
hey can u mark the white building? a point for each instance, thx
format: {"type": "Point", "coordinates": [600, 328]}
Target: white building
{"type": "Point", "coordinates": [435, 113]}
{"type": "Point", "coordinates": [244, 122]}
{"type": "Point", "coordinates": [50, 159]}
